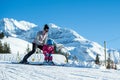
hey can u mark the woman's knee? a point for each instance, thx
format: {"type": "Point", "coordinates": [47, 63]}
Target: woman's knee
{"type": "Point", "coordinates": [33, 51]}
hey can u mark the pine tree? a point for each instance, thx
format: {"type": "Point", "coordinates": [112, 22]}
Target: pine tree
{"type": "Point", "coordinates": [28, 48]}
{"type": "Point", "coordinates": [1, 47]}
{"type": "Point", "coordinates": [66, 56]}
{"type": "Point", "coordinates": [97, 61]}
{"type": "Point", "coordinates": [55, 49]}
{"type": "Point", "coordinates": [6, 48]}
{"type": "Point", "coordinates": [75, 58]}
{"type": "Point", "coordinates": [1, 35]}
{"type": "Point", "coordinates": [109, 62]}
{"type": "Point", "coordinates": [115, 67]}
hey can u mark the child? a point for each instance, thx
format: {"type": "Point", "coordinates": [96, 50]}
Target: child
{"type": "Point", "coordinates": [48, 50]}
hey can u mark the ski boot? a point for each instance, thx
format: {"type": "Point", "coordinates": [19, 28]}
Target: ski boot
{"type": "Point", "coordinates": [51, 63]}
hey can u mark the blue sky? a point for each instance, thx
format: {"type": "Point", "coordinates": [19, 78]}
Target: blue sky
{"type": "Point", "coordinates": [96, 20]}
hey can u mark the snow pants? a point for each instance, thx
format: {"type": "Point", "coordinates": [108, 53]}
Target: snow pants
{"type": "Point", "coordinates": [48, 51]}
{"type": "Point", "coordinates": [34, 47]}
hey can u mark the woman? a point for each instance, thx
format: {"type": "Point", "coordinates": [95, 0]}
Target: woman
{"type": "Point", "coordinates": [39, 42]}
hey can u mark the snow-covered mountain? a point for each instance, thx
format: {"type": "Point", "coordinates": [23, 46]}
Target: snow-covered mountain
{"type": "Point", "coordinates": [14, 28]}
{"type": "Point", "coordinates": [79, 47]}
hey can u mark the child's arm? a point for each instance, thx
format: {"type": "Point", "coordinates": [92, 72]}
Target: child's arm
{"type": "Point", "coordinates": [51, 49]}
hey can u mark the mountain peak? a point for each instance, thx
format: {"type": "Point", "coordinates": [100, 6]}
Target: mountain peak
{"type": "Point", "coordinates": [65, 32]}
{"type": "Point", "coordinates": [23, 25]}
{"type": "Point", "coordinates": [13, 27]}
{"type": "Point", "coordinates": [53, 26]}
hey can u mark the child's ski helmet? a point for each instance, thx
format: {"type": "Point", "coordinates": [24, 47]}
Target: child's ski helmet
{"type": "Point", "coordinates": [49, 42]}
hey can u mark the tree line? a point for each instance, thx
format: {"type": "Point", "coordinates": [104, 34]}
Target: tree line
{"type": "Point", "coordinates": [2, 35]}
{"type": "Point", "coordinates": [109, 62]}
{"type": "Point", "coordinates": [5, 47]}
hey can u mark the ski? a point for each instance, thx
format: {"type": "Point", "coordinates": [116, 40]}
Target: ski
{"type": "Point", "coordinates": [38, 64]}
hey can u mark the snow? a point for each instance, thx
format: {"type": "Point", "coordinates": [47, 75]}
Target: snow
{"type": "Point", "coordinates": [31, 72]}
{"type": "Point", "coordinates": [10, 71]}
{"type": "Point", "coordinates": [53, 26]}
{"type": "Point", "coordinates": [14, 28]}
{"type": "Point", "coordinates": [11, 24]}
{"type": "Point", "coordinates": [17, 45]}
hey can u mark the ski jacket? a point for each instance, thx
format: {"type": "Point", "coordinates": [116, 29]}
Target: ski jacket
{"type": "Point", "coordinates": [40, 38]}
{"type": "Point", "coordinates": [48, 49]}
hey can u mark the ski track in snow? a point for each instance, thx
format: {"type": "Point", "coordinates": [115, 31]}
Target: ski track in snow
{"type": "Point", "coordinates": [32, 72]}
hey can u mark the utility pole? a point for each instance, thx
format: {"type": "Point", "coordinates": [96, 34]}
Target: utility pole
{"type": "Point", "coordinates": [119, 59]}
{"type": "Point", "coordinates": [105, 51]}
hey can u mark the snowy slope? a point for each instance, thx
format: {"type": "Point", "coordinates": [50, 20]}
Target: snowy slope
{"type": "Point", "coordinates": [80, 48]}
{"type": "Point", "coordinates": [17, 45]}
{"type": "Point", "coordinates": [30, 72]}
{"type": "Point", "coordinates": [114, 55]}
